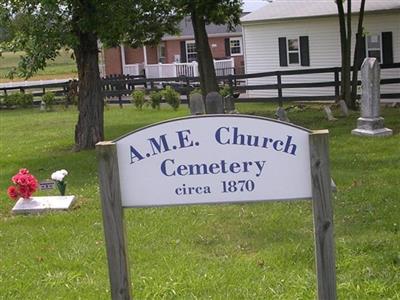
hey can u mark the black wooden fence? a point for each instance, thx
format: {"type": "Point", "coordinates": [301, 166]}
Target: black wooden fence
{"type": "Point", "coordinates": [117, 88]}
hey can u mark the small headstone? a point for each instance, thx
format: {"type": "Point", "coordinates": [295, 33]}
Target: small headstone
{"type": "Point", "coordinates": [47, 185]}
{"type": "Point", "coordinates": [328, 113]}
{"type": "Point", "coordinates": [344, 109]}
{"type": "Point", "coordinates": [229, 105]}
{"type": "Point", "coordinates": [370, 123]}
{"type": "Point", "coordinates": [36, 205]}
{"type": "Point", "coordinates": [42, 106]}
{"type": "Point", "coordinates": [281, 114]}
{"type": "Point", "coordinates": [214, 103]}
{"type": "Point", "coordinates": [333, 186]}
{"type": "Point", "coordinates": [197, 104]}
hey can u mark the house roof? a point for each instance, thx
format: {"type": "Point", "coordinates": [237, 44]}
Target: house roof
{"type": "Point", "coordinates": [288, 9]}
{"type": "Point", "coordinates": [186, 30]}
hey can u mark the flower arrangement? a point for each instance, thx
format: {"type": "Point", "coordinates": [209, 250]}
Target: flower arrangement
{"type": "Point", "coordinates": [58, 177]}
{"type": "Point", "coordinates": [25, 184]}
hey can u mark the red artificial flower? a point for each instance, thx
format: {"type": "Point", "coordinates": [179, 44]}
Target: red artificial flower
{"type": "Point", "coordinates": [23, 171]}
{"type": "Point", "coordinates": [26, 185]}
{"type": "Point", "coordinates": [24, 192]}
{"type": "Point", "coordinates": [12, 192]}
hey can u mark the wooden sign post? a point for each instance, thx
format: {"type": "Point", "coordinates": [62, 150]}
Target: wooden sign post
{"type": "Point", "coordinates": [187, 157]}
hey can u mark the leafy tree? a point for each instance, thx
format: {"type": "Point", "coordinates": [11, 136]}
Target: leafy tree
{"type": "Point", "coordinates": [348, 87]}
{"type": "Point", "coordinates": [42, 27]}
{"type": "Point", "coordinates": [203, 12]}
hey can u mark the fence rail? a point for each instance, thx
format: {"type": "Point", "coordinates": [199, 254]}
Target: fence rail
{"type": "Point", "coordinates": [116, 87]}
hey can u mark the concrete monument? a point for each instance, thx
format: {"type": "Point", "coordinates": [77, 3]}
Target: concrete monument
{"type": "Point", "coordinates": [370, 123]}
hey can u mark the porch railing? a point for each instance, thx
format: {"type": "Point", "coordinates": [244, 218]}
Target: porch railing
{"type": "Point", "coordinates": [222, 68]}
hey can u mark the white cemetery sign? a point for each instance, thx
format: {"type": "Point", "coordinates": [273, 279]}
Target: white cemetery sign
{"type": "Point", "coordinates": [215, 159]}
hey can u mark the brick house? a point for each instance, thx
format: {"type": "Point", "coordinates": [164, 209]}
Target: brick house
{"type": "Point", "coordinates": [226, 47]}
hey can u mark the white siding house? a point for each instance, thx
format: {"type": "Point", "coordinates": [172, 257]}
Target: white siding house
{"type": "Point", "coordinates": [287, 35]}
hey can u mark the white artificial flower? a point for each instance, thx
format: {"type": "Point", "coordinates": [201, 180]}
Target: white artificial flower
{"type": "Point", "coordinates": [59, 175]}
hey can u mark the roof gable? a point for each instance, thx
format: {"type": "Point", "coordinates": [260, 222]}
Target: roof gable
{"type": "Point", "coordinates": [288, 9]}
{"type": "Point", "coordinates": [186, 30]}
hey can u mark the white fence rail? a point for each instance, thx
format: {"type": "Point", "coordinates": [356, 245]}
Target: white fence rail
{"type": "Point", "coordinates": [133, 69]}
{"type": "Point", "coordinates": [222, 67]}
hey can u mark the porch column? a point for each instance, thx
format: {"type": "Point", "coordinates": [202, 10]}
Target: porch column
{"type": "Point", "coordinates": [122, 58]}
{"type": "Point", "coordinates": [145, 55]}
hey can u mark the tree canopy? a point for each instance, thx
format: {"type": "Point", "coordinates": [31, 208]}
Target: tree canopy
{"type": "Point", "coordinates": [42, 27]}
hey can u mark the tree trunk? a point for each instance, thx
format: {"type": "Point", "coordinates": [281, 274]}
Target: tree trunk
{"type": "Point", "coordinates": [90, 128]}
{"type": "Point", "coordinates": [356, 61]}
{"type": "Point", "coordinates": [343, 43]}
{"type": "Point", "coordinates": [347, 66]}
{"type": "Point", "coordinates": [208, 79]}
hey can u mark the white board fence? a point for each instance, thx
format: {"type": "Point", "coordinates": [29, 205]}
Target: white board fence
{"type": "Point", "coordinates": [215, 159]}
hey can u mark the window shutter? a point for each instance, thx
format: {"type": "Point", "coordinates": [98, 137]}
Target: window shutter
{"type": "Point", "coordinates": [304, 51]}
{"type": "Point", "coordinates": [282, 52]}
{"type": "Point", "coordinates": [183, 51]}
{"type": "Point", "coordinates": [227, 47]}
{"type": "Point", "coordinates": [387, 48]}
{"type": "Point", "coordinates": [362, 53]}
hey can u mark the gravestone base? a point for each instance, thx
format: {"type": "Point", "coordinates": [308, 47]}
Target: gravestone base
{"type": "Point", "coordinates": [371, 127]}
{"type": "Point", "coordinates": [37, 205]}
{"type": "Point", "coordinates": [281, 115]}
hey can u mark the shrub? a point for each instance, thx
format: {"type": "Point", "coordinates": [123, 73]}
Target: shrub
{"type": "Point", "coordinates": [225, 90]}
{"type": "Point", "coordinates": [195, 91]}
{"type": "Point", "coordinates": [25, 100]}
{"type": "Point", "coordinates": [8, 101]}
{"type": "Point", "coordinates": [138, 99]}
{"type": "Point", "coordinates": [172, 97]}
{"type": "Point", "coordinates": [155, 99]}
{"type": "Point", "coordinates": [21, 99]}
{"type": "Point", "coordinates": [49, 98]}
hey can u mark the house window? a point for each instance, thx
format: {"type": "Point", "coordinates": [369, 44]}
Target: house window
{"type": "Point", "coordinates": [374, 46]}
{"type": "Point", "coordinates": [161, 52]}
{"type": "Point", "coordinates": [191, 53]}
{"type": "Point", "coordinates": [235, 46]}
{"type": "Point", "coordinates": [293, 51]}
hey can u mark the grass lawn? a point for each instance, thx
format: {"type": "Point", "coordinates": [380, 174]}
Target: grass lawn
{"type": "Point", "coordinates": [62, 67]}
{"type": "Point", "coordinates": [254, 251]}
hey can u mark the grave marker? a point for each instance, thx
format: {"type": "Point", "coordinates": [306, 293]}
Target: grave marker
{"type": "Point", "coordinates": [214, 103]}
{"type": "Point", "coordinates": [187, 158]}
{"type": "Point", "coordinates": [43, 204]}
{"type": "Point", "coordinates": [197, 104]}
{"type": "Point", "coordinates": [370, 123]}
{"type": "Point", "coordinates": [328, 113]}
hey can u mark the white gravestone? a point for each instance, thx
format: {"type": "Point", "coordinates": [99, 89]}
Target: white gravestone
{"type": "Point", "coordinates": [38, 205]}
{"type": "Point", "coordinates": [370, 123]}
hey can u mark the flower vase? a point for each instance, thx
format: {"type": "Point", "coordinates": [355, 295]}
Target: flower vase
{"type": "Point", "coordinates": [62, 186]}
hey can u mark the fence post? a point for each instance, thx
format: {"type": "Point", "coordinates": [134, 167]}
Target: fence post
{"type": "Point", "coordinates": [175, 74]}
{"type": "Point", "coordinates": [195, 69]}
{"type": "Point", "coordinates": [188, 90]}
{"type": "Point", "coordinates": [113, 221]}
{"type": "Point", "coordinates": [323, 215]}
{"type": "Point", "coordinates": [337, 84]}
{"type": "Point", "coordinates": [279, 83]}
{"type": "Point", "coordinates": [159, 70]}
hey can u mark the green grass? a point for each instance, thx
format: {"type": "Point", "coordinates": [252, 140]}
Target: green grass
{"type": "Point", "coordinates": [254, 251]}
{"type": "Point", "coordinates": [61, 67]}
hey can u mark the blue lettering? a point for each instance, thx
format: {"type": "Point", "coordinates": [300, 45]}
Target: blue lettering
{"type": "Point", "coordinates": [163, 167]}
{"type": "Point", "coordinates": [218, 135]}
{"type": "Point", "coordinates": [135, 155]}
{"type": "Point", "coordinates": [275, 145]}
{"type": "Point", "coordinates": [183, 137]}
{"type": "Point", "coordinates": [288, 146]}
{"type": "Point", "coordinates": [160, 146]}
